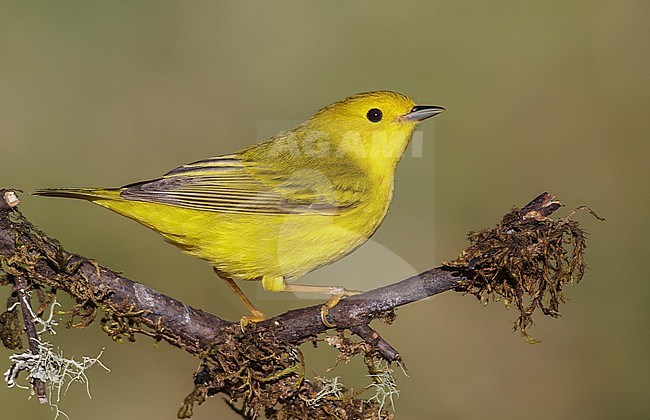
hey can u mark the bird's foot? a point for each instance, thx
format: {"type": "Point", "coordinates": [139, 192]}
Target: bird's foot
{"type": "Point", "coordinates": [255, 317]}
{"type": "Point", "coordinates": [332, 302]}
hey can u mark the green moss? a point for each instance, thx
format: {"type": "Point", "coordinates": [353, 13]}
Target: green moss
{"type": "Point", "coordinates": [525, 261]}
{"type": "Point", "coordinates": [10, 326]}
{"type": "Point", "coordinates": [264, 375]}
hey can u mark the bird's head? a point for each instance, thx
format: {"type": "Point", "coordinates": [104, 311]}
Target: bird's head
{"type": "Point", "coordinates": [373, 128]}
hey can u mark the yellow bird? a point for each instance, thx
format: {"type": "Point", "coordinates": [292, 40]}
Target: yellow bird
{"type": "Point", "coordinates": [281, 208]}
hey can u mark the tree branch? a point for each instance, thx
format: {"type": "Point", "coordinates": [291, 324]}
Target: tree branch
{"type": "Point", "coordinates": [523, 260]}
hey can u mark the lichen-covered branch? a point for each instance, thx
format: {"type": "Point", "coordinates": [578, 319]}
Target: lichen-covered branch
{"type": "Point", "coordinates": [269, 370]}
{"type": "Point", "coordinates": [30, 331]}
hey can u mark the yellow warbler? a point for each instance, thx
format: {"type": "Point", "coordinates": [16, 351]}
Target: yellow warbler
{"type": "Point", "coordinates": [276, 210]}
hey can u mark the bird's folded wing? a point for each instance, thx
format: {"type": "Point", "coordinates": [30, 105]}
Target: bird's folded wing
{"type": "Point", "coordinates": [228, 184]}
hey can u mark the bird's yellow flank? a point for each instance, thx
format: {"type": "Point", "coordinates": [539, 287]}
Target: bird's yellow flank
{"type": "Point", "coordinates": [276, 210]}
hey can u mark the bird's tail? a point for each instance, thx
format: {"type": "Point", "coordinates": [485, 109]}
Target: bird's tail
{"type": "Point", "coordinates": [90, 194]}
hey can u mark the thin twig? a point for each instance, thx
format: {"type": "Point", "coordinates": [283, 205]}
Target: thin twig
{"type": "Point", "coordinates": [20, 288]}
{"type": "Point", "coordinates": [372, 337]}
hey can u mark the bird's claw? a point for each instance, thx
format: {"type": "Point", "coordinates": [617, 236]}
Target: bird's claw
{"type": "Point", "coordinates": [332, 302]}
{"type": "Point", "coordinates": [253, 318]}
{"type": "Point", "coordinates": [324, 311]}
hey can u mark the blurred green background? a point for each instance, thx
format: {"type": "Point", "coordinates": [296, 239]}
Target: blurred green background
{"type": "Point", "coordinates": [540, 95]}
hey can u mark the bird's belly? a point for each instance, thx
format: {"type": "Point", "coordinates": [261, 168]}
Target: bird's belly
{"type": "Point", "coordinates": [248, 246]}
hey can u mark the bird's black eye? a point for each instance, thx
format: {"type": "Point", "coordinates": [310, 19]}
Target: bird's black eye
{"type": "Point", "coordinates": [374, 115]}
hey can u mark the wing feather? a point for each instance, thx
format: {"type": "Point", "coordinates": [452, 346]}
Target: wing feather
{"type": "Point", "coordinates": [230, 185]}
